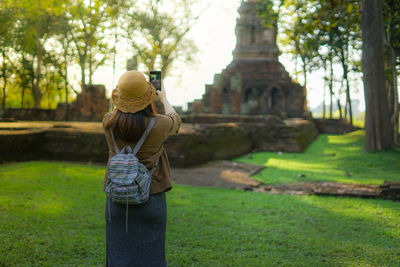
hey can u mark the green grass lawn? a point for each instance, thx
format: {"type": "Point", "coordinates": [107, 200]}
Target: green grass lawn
{"type": "Point", "coordinates": [335, 158]}
{"type": "Point", "coordinates": [52, 214]}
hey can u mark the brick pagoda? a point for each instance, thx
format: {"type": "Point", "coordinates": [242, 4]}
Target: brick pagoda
{"type": "Point", "coordinates": [255, 82]}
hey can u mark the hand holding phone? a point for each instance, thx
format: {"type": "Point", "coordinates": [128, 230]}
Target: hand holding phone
{"type": "Point", "coordinates": [155, 79]}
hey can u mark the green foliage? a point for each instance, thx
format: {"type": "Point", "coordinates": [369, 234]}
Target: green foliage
{"type": "Point", "coordinates": [158, 33]}
{"type": "Point", "coordinates": [334, 158]}
{"type": "Point", "coordinates": [33, 25]}
{"type": "Point", "coordinates": [52, 214]}
{"type": "Point", "coordinates": [298, 33]}
{"type": "Point", "coordinates": [41, 40]}
{"type": "Point", "coordinates": [88, 22]}
{"type": "Point", "coordinates": [265, 8]}
{"type": "Point", "coordinates": [7, 17]}
{"type": "Point", "coordinates": [391, 17]}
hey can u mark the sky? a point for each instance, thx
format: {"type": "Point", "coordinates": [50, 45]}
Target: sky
{"type": "Point", "coordinates": [214, 35]}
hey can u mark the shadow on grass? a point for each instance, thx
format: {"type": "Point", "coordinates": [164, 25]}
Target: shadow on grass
{"type": "Point", "coordinates": [250, 229]}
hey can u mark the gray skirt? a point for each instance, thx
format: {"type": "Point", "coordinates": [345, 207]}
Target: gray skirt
{"type": "Point", "coordinates": [144, 243]}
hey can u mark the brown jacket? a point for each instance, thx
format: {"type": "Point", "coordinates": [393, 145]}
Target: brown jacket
{"type": "Point", "coordinates": [151, 150]}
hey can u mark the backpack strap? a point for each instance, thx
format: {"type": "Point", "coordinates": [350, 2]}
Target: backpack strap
{"type": "Point", "coordinates": [113, 139]}
{"type": "Point", "coordinates": [154, 167]}
{"type": "Point", "coordinates": [144, 136]}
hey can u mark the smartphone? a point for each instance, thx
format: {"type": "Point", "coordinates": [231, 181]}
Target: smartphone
{"type": "Point", "coordinates": [155, 79]}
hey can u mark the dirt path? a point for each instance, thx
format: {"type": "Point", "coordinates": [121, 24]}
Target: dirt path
{"type": "Point", "coordinates": [225, 174]}
{"type": "Point", "coordinates": [233, 175]}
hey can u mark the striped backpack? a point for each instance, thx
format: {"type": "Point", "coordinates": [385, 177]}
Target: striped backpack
{"type": "Point", "coordinates": [129, 180]}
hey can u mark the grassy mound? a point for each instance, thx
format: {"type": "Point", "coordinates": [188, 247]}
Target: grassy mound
{"type": "Point", "coordinates": [333, 158]}
{"type": "Point", "coordinates": [52, 214]}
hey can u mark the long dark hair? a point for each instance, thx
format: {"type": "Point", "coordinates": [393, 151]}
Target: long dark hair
{"type": "Point", "coordinates": [129, 127]}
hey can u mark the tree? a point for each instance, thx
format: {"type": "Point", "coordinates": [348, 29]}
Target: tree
{"type": "Point", "coordinates": [63, 57]}
{"type": "Point", "coordinates": [90, 21]}
{"type": "Point", "coordinates": [38, 17]}
{"type": "Point", "coordinates": [348, 35]}
{"type": "Point", "coordinates": [159, 36]}
{"type": "Point", "coordinates": [337, 26]}
{"type": "Point", "coordinates": [391, 11]}
{"type": "Point", "coordinates": [46, 37]}
{"type": "Point", "coordinates": [6, 40]}
{"type": "Point", "coordinates": [379, 134]}
{"type": "Point", "coordinates": [298, 33]}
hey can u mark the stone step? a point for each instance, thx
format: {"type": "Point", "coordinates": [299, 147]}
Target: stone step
{"type": "Point", "coordinates": [389, 190]}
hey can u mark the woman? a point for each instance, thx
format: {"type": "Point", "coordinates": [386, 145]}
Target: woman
{"type": "Point", "coordinates": [144, 244]}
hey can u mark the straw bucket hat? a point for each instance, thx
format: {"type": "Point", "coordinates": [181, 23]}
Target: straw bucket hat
{"type": "Point", "coordinates": [133, 92]}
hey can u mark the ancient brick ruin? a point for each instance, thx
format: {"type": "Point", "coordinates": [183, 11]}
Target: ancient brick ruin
{"type": "Point", "coordinates": [90, 105]}
{"type": "Point", "coordinates": [255, 82]}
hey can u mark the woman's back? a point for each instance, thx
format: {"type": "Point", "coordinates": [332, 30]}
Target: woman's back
{"type": "Point", "coordinates": [152, 148]}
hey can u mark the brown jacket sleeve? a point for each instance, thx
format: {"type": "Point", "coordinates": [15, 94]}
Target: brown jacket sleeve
{"type": "Point", "coordinates": [172, 124]}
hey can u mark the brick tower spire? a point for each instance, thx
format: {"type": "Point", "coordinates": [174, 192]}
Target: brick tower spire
{"type": "Point", "coordinates": [253, 39]}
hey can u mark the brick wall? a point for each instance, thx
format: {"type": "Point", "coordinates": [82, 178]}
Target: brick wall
{"type": "Point", "coordinates": [193, 145]}
{"type": "Point", "coordinates": [90, 105]}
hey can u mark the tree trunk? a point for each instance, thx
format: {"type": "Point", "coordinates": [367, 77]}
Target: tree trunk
{"type": "Point", "coordinates": [36, 87]}
{"type": "Point", "coordinates": [83, 74]}
{"type": "Point", "coordinates": [350, 108]}
{"type": "Point", "coordinates": [90, 68]}
{"type": "Point", "coordinates": [23, 85]}
{"type": "Point", "coordinates": [4, 74]}
{"type": "Point", "coordinates": [66, 69]}
{"type": "Point", "coordinates": [379, 133]}
{"type": "Point", "coordinates": [32, 79]}
{"type": "Point", "coordinates": [3, 104]}
{"type": "Point", "coordinates": [325, 66]}
{"type": "Point", "coordinates": [304, 71]}
{"type": "Point", "coordinates": [66, 86]}
{"type": "Point", "coordinates": [394, 98]}
{"type": "Point", "coordinates": [331, 89]}
{"type": "Point", "coordinates": [343, 58]}
{"type": "Point", "coordinates": [339, 105]}
{"type": "Point", "coordinates": [323, 102]}
{"type": "Point", "coordinates": [22, 97]}
{"type": "Point", "coordinates": [114, 57]}
{"type": "Point", "coordinates": [48, 96]}
{"type": "Point", "coordinates": [82, 59]}
{"type": "Point", "coordinates": [345, 110]}
{"type": "Point", "coordinates": [348, 101]}
{"type": "Point", "coordinates": [305, 106]}
{"type": "Point", "coordinates": [392, 86]}
{"type": "Point", "coordinates": [340, 108]}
